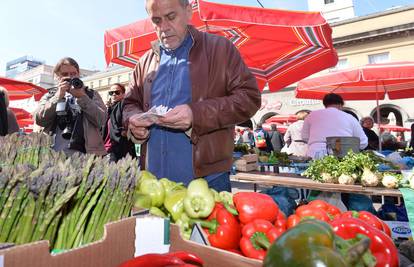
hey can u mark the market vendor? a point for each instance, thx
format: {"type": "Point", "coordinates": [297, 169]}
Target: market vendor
{"type": "Point", "coordinates": [331, 121]}
{"type": "Point", "coordinates": [205, 82]}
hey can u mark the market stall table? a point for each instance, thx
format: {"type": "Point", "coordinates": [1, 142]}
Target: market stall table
{"type": "Point", "coordinates": [290, 180]}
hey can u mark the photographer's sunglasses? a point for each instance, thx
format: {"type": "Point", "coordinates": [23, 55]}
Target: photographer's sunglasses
{"type": "Point", "coordinates": [111, 93]}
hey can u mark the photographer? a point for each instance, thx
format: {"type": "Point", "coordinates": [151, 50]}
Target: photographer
{"type": "Point", "coordinates": [72, 113]}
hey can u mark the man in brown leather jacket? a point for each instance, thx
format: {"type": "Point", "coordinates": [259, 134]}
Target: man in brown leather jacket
{"type": "Point", "coordinates": [209, 89]}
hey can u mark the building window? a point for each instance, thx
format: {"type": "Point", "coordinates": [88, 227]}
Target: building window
{"type": "Point", "coordinates": [91, 85]}
{"type": "Point", "coordinates": [99, 83]}
{"type": "Point", "coordinates": [342, 64]}
{"type": "Point", "coordinates": [109, 80]}
{"type": "Point", "coordinates": [329, 1]}
{"type": "Point", "coordinates": [119, 78]}
{"type": "Point", "coordinates": [130, 76]}
{"type": "Point", "coordinates": [379, 58]}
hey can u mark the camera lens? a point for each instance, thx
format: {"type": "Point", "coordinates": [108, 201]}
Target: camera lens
{"type": "Point", "coordinates": [77, 83]}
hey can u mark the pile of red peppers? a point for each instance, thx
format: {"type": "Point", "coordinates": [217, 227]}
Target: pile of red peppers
{"type": "Point", "coordinates": [254, 223]}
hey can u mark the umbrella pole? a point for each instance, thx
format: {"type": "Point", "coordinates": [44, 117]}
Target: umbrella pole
{"type": "Point", "coordinates": [378, 118]}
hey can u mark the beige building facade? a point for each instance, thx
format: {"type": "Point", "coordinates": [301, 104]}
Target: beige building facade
{"type": "Point", "coordinates": [43, 76]}
{"type": "Point", "coordinates": [378, 38]}
{"type": "Point", "coordinates": [102, 81]}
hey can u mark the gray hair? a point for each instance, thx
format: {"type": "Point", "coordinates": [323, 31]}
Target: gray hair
{"type": "Point", "coordinates": [364, 119]}
{"type": "Point", "coordinates": [184, 3]}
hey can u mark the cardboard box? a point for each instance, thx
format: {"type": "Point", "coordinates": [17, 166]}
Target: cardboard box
{"type": "Point", "coordinates": [250, 157]}
{"type": "Point", "coordinates": [399, 229]}
{"type": "Point", "coordinates": [244, 166]}
{"type": "Point", "coordinates": [117, 246]}
{"type": "Point", "coordinates": [213, 257]}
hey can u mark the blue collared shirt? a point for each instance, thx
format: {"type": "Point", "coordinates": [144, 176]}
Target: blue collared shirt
{"type": "Point", "coordinates": [170, 151]}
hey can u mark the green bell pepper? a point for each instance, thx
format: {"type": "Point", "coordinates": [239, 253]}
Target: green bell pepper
{"type": "Point", "coordinates": [312, 243]}
{"type": "Point", "coordinates": [216, 195]}
{"type": "Point", "coordinates": [142, 200]}
{"type": "Point", "coordinates": [185, 226]}
{"type": "Point", "coordinates": [226, 198]}
{"type": "Point", "coordinates": [157, 212]}
{"type": "Point", "coordinates": [174, 203]}
{"type": "Point", "coordinates": [199, 202]}
{"type": "Point", "coordinates": [171, 186]}
{"type": "Point", "coordinates": [154, 189]}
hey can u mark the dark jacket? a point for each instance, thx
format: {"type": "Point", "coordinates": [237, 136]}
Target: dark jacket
{"type": "Point", "coordinates": [3, 116]}
{"type": "Point", "coordinates": [224, 93]}
{"type": "Point", "coordinates": [373, 139]}
{"type": "Point", "coordinates": [276, 140]}
{"type": "Point", "coordinates": [121, 146]}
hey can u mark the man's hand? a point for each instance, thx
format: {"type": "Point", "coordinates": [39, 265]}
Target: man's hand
{"type": "Point", "coordinates": [180, 117]}
{"type": "Point", "coordinates": [139, 127]}
{"type": "Point", "coordinates": [78, 93]}
{"type": "Point", "coordinates": [63, 87]}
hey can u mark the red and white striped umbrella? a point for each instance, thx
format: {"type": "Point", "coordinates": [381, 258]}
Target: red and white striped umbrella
{"type": "Point", "coordinates": [369, 82]}
{"type": "Point", "coordinates": [282, 118]}
{"type": "Point", "coordinates": [280, 47]}
{"type": "Point", "coordinates": [21, 90]}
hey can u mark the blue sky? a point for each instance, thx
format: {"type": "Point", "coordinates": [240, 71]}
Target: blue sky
{"type": "Point", "coordinates": [51, 29]}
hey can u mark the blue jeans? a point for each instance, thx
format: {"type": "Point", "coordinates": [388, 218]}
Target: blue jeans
{"type": "Point", "coordinates": [219, 181]}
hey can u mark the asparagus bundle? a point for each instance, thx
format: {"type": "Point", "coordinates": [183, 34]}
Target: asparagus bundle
{"type": "Point", "coordinates": [45, 195]}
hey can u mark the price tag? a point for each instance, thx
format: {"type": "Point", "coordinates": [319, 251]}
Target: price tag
{"type": "Point", "coordinates": [152, 235]}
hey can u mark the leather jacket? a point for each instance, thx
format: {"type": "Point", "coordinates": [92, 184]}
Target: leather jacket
{"type": "Point", "coordinates": [224, 93]}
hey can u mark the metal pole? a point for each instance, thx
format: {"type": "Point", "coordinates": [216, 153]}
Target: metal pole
{"type": "Point", "coordinates": [378, 117]}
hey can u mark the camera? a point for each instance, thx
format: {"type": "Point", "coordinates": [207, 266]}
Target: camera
{"type": "Point", "coordinates": [75, 82]}
{"type": "Point", "coordinates": [66, 117]}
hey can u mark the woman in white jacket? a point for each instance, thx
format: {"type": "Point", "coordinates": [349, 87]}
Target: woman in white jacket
{"type": "Point", "coordinates": [293, 137]}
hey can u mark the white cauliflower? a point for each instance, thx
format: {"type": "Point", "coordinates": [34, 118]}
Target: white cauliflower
{"type": "Point", "coordinates": [347, 179]}
{"type": "Point", "coordinates": [390, 181]}
{"type": "Point", "coordinates": [328, 178]}
{"type": "Point", "coordinates": [369, 178]}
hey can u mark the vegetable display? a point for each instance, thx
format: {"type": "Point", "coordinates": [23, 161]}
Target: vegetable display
{"type": "Point", "coordinates": [354, 168]}
{"type": "Point", "coordinates": [46, 196]}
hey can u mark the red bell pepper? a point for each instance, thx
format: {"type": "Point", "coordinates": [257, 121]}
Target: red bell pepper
{"type": "Point", "coordinates": [369, 218]}
{"type": "Point", "coordinates": [280, 222]}
{"type": "Point", "coordinates": [307, 212]}
{"type": "Point", "coordinates": [333, 211]}
{"type": "Point", "coordinates": [257, 236]}
{"type": "Point", "coordinates": [222, 228]}
{"type": "Point", "coordinates": [382, 246]}
{"type": "Point", "coordinates": [253, 205]}
{"type": "Point", "coordinates": [179, 258]}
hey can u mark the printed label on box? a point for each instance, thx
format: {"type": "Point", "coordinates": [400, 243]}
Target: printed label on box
{"type": "Point", "coordinates": [399, 229]}
{"type": "Point", "coordinates": [152, 235]}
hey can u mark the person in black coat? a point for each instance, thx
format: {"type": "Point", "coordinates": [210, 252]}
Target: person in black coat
{"type": "Point", "coordinates": [3, 115]}
{"type": "Point", "coordinates": [276, 138]}
{"type": "Point", "coordinates": [115, 141]}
